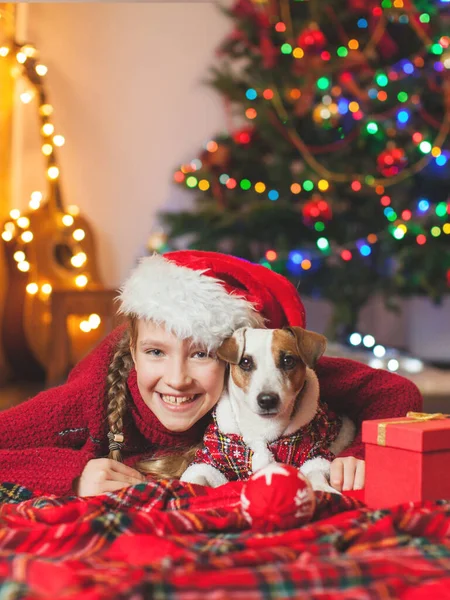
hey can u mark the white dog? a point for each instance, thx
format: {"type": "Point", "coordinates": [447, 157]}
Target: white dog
{"type": "Point", "coordinates": [271, 411]}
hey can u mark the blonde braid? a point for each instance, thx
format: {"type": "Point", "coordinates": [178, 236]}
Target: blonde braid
{"type": "Point", "coordinates": [118, 395]}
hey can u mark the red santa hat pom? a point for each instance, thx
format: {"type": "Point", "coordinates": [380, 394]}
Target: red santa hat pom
{"type": "Point", "coordinates": [277, 497]}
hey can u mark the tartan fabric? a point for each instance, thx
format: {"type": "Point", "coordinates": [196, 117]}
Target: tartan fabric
{"type": "Point", "coordinates": [231, 456]}
{"type": "Point", "coordinates": [176, 541]}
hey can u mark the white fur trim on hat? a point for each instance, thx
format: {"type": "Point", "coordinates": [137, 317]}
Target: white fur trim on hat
{"type": "Point", "coordinates": [187, 302]}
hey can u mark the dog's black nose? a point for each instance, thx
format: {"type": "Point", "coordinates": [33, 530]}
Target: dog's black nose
{"type": "Point", "coordinates": [267, 401]}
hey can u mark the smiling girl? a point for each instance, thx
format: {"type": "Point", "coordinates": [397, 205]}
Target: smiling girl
{"type": "Point", "coordinates": [149, 388]}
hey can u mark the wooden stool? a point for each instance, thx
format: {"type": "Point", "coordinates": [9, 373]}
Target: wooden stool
{"type": "Point", "coordinates": [74, 302]}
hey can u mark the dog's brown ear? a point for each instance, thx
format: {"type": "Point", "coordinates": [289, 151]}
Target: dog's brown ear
{"type": "Point", "coordinates": [232, 349]}
{"type": "Point", "coordinates": [310, 345]}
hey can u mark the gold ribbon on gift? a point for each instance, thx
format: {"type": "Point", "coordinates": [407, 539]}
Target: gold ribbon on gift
{"type": "Point", "coordinates": [412, 417]}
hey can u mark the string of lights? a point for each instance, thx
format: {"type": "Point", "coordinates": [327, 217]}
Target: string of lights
{"type": "Point", "coordinates": [17, 230]}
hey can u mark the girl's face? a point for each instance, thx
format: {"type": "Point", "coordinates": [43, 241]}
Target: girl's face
{"type": "Point", "coordinates": [178, 381]}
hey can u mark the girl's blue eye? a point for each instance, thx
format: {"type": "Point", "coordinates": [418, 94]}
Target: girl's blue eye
{"type": "Point", "coordinates": [202, 354]}
{"type": "Point", "coordinates": [154, 352]}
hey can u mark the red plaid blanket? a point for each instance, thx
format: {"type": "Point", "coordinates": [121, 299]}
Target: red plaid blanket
{"type": "Point", "coordinates": [175, 541]}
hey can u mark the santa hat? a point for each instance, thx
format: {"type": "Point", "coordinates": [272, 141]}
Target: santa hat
{"type": "Point", "coordinates": [207, 295]}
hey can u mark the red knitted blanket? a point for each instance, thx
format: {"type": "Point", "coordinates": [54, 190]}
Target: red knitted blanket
{"type": "Point", "coordinates": [173, 540]}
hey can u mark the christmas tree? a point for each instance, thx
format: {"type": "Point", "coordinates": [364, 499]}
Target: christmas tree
{"type": "Point", "coordinates": [336, 170]}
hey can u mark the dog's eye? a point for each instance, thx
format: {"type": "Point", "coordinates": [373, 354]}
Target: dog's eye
{"type": "Point", "coordinates": [246, 363]}
{"type": "Point", "coordinates": [288, 362]}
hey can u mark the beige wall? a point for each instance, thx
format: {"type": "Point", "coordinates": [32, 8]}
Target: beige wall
{"type": "Point", "coordinates": [125, 80]}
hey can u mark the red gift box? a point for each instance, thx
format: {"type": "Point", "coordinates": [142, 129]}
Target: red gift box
{"type": "Point", "coordinates": [407, 459]}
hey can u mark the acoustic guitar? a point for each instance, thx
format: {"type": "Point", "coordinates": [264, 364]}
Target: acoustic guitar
{"type": "Point", "coordinates": [45, 249]}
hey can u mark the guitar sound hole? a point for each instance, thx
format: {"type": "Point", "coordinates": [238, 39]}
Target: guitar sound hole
{"type": "Point", "coordinates": [63, 253]}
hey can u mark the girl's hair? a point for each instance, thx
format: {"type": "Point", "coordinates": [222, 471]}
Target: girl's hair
{"type": "Point", "coordinates": [170, 466]}
{"type": "Point", "coordinates": [117, 391]}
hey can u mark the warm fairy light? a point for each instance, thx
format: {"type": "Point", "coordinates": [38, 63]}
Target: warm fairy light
{"type": "Point", "coordinates": [179, 177]}
{"type": "Point", "coordinates": [382, 96]}
{"type": "Point", "coordinates": [271, 255]}
{"type": "Point", "coordinates": [94, 320]}
{"type": "Point", "coordinates": [353, 107]}
{"type": "Point", "coordinates": [34, 204]}
{"type": "Point", "coordinates": [353, 44]}
{"type": "Point", "coordinates": [203, 185]}
{"type": "Point", "coordinates": [298, 53]}
{"type": "Point", "coordinates": [59, 140]}
{"type": "Point", "coordinates": [78, 259]}
{"type": "Point", "coordinates": [26, 97]}
{"type": "Point", "coordinates": [79, 234]}
{"type": "Point", "coordinates": [295, 93]}
{"type": "Point", "coordinates": [67, 220]}
{"type": "Point", "coordinates": [23, 222]}
{"type": "Point", "coordinates": [32, 288]}
{"type": "Point", "coordinates": [14, 213]}
{"type": "Point", "coordinates": [21, 57]}
{"type": "Point", "coordinates": [372, 238]}
{"type": "Point", "coordinates": [29, 50]}
{"type": "Point", "coordinates": [47, 149]}
{"type": "Point", "coordinates": [296, 188]}
{"type": "Point", "coordinates": [53, 172]}
{"type": "Point", "coordinates": [45, 110]}
{"type": "Point", "coordinates": [4, 51]}
{"type": "Point", "coordinates": [36, 196]}
{"type": "Point", "coordinates": [323, 185]}
{"type": "Point", "coordinates": [268, 94]}
{"type": "Point", "coordinates": [27, 236]}
{"type": "Point", "coordinates": [251, 113]}
{"type": "Point", "coordinates": [306, 264]}
{"type": "Point", "coordinates": [260, 187]}
{"type": "Point", "coordinates": [10, 227]}
{"type": "Point", "coordinates": [24, 266]}
{"type": "Point", "coordinates": [435, 151]}
{"type": "Point", "coordinates": [85, 326]}
{"type": "Point", "coordinates": [41, 70]}
{"type": "Point", "coordinates": [7, 236]}
{"type": "Point", "coordinates": [280, 27]}
{"type": "Point", "coordinates": [46, 289]}
{"type": "Point", "coordinates": [385, 200]}
{"type": "Point", "coordinates": [212, 146]}
{"type": "Point", "coordinates": [356, 186]}
{"type": "Point", "coordinates": [73, 210]}
{"type": "Point", "coordinates": [47, 129]}
{"type": "Point", "coordinates": [19, 256]}
{"type": "Point", "coordinates": [81, 281]}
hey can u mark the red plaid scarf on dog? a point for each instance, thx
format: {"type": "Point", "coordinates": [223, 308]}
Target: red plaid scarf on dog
{"type": "Point", "coordinates": [229, 454]}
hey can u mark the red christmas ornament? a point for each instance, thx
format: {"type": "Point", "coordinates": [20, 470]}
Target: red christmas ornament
{"type": "Point", "coordinates": [391, 161]}
{"type": "Point", "coordinates": [316, 209]}
{"type": "Point", "coordinates": [244, 135]}
{"type": "Point", "coordinates": [312, 40]}
{"type": "Point", "coordinates": [277, 497]}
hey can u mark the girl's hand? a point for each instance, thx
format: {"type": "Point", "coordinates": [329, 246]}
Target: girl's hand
{"type": "Point", "coordinates": [347, 473]}
{"type": "Point", "coordinates": [102, 475]}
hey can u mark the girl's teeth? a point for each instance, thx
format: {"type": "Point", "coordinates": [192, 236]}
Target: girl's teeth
{"type": "Point", "coordinates": [177, 399]}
